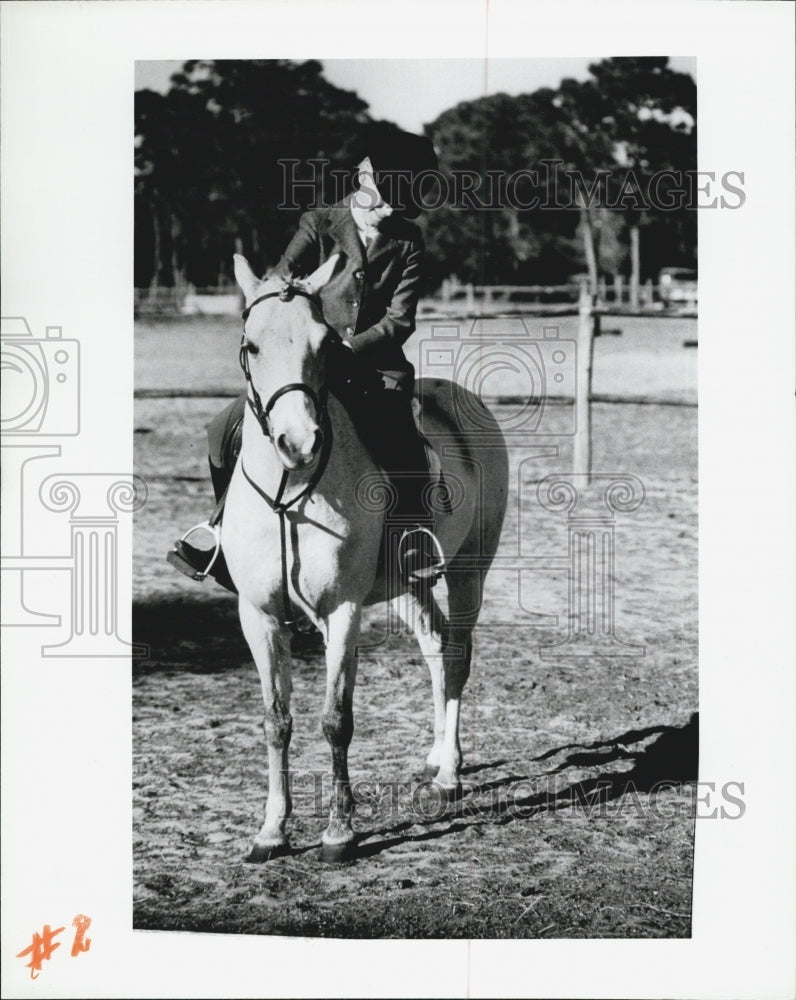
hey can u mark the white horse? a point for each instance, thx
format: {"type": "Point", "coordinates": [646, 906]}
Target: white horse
{"type": "Point", "coordinates": [321, 554]}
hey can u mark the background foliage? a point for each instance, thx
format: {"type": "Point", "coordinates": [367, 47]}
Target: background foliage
{"type": "Point", "coordinates": [208, 179]}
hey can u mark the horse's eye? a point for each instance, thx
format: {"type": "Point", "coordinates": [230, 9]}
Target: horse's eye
{"type": "Point", "coordinates": [251, 348]}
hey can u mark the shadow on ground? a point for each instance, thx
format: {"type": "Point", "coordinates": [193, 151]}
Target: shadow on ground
{"type": "Point", "coordinates": [183, 634]}
{"type": "Point", "coordinates": [670, 761]}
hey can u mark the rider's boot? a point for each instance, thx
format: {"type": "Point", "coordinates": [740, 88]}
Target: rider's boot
{"type": "Point", "coordinates": [196, 563]}
{"type": "Point", "coordinates": [421, 559]}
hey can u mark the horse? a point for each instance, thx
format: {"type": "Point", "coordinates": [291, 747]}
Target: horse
{"type": "Point", "coordinates": [301, 531]}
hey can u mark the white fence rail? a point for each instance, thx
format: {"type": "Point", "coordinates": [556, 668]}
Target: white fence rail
{"type": "Point", "coordinates": [453, 299]}
{"type": "Point", "coordinates": [225, 300]}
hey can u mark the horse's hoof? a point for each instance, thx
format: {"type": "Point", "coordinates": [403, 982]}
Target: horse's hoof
{"type": "Point", "coordinates": [260, 853]}
{"type": "Point", "coordinates": [444, 794]}
{"type": "Point", "coordinates": [452, 793]}
{"type": "Point", "coordinates": [429, 772]}
{"type": "Point", "coordinates": [431, 800]}
{"type": "Point", "coordinates": [338, 854]}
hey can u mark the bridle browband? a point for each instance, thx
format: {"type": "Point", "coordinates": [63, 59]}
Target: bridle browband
{"type": "Point", "coordinates": [262, 413]}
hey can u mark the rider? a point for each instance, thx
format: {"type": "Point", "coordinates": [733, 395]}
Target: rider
{"type": "Point", "coordinates": [370, 301]}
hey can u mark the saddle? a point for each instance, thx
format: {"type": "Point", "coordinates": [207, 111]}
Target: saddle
{"type": "Point", "coordinates": [389, 426]}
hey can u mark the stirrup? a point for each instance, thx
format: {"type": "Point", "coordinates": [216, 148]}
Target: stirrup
{"type": "Point", "coordinates": [428, 574]}
{"type": "Point", "coordinates": [199, 574]}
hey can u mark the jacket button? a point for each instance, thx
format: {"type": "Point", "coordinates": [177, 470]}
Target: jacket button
{"type": "Point", "coordinates": [349, 331]}
{"type": "Point", "coordinates": [354, 302]}
{"type": "Point", "coordinates": [359, 275]}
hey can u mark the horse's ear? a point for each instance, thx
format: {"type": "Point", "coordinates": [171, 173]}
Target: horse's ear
{"type": "Point", "coordinates": [245, 277]}
{"type": "Point", "coordinates": [314, 282]}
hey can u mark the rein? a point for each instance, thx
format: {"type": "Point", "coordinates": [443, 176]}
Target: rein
{"type": "Point", "coordinates": [278, 504]}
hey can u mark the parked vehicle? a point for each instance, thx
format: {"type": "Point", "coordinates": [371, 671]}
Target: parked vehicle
{"type": "Point", "coordinates": [678, 287]}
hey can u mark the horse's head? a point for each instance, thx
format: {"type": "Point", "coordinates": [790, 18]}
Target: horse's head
{"type": "Point", "coordinates": [282, 353]}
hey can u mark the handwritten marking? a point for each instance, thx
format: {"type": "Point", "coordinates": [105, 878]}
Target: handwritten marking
{"type": "Point", "coordinates": [81, 942]}
{"type": "Point", "coordinates": [41, 949]}
{"type": "Point", "coordinates": [43, 945]}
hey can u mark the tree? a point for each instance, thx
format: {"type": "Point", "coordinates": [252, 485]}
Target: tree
{"type": "Point", "coordinates": [488, 235]}
{"type": "Point", "coordinates": [210, 162]}
{"type": "Point", "coordinates": [173, 171]}
{"type": "Point", "coordinates": [607, 136]}
{"type": "Point", "coordinates": [640, 118]}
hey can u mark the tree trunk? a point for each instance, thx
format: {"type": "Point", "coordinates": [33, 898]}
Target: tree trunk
{"type": "Point", "coordinates": [156, 248]}
{"type": "Point", "coordinates": [635, 266]}
{"type": "Point", "coordinates": [587, 227]}
{"type": "Point", "coordinates": [177, 277]}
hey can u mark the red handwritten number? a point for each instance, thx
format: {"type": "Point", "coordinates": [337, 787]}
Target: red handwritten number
{"type": "Point", "coordinates": [41, 949]}
{"type": "Point", "coordinates": [81, 942]}
{"type": "Point", "coordinates": [43, 944]}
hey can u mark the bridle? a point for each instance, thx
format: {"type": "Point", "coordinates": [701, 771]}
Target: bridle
{"type": "Point", "coordinates": [262, 414]}
{"type": "Point", "coordinates": [254, 400]}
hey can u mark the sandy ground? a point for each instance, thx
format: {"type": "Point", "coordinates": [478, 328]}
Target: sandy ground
{"type": "Point", "coordinates": [634, 357]}
{"type": "Point", "coordinates": [579, 813]}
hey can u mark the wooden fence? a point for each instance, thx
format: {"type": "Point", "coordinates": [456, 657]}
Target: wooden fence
{"type": "Point", "coordinates": [617, 294]}
{"type": "Point", "coordinates": [225, 300]}
{"type": "Point", "coordinates": [453, 299]}
{"type": "Point", "coordinates": [569, 300]}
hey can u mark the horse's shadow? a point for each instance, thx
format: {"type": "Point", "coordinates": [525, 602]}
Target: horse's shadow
{"type": "Point", "coordinates": [183, 634]}
{"type": "Point", "coordinates": [670, 760]}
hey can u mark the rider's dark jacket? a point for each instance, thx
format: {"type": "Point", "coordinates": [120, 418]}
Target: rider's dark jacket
{"type": "Point", "coordinates": [370, 301]}
{"type": "Point", "coordinates": [371, 298]}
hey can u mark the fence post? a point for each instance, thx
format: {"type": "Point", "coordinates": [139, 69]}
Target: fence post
{"type": "Point", "coordinates": [582, 451]}
{"type": "Point", "coordinates": [469, 297]}
{"type": "Point", "coordinates": [618, 289]}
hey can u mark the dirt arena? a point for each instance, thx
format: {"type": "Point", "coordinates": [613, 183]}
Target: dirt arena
{"type": "Point", "coordinates": [578, 817]}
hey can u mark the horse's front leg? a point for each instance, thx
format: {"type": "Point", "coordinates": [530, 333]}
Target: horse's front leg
{"type": "Point", "coordinates": [271, 651]}
{"type": "Point", "coordinates": [338, 839]}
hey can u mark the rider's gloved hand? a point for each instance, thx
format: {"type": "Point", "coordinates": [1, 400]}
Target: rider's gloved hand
{"type": "Point", "coordinates": [340, 362]}
{"type": "Point", "coordinates": [345, 370]}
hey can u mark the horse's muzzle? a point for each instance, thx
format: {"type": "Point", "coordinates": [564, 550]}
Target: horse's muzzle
{"type": "Point", "coordinates": [299, 455]}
